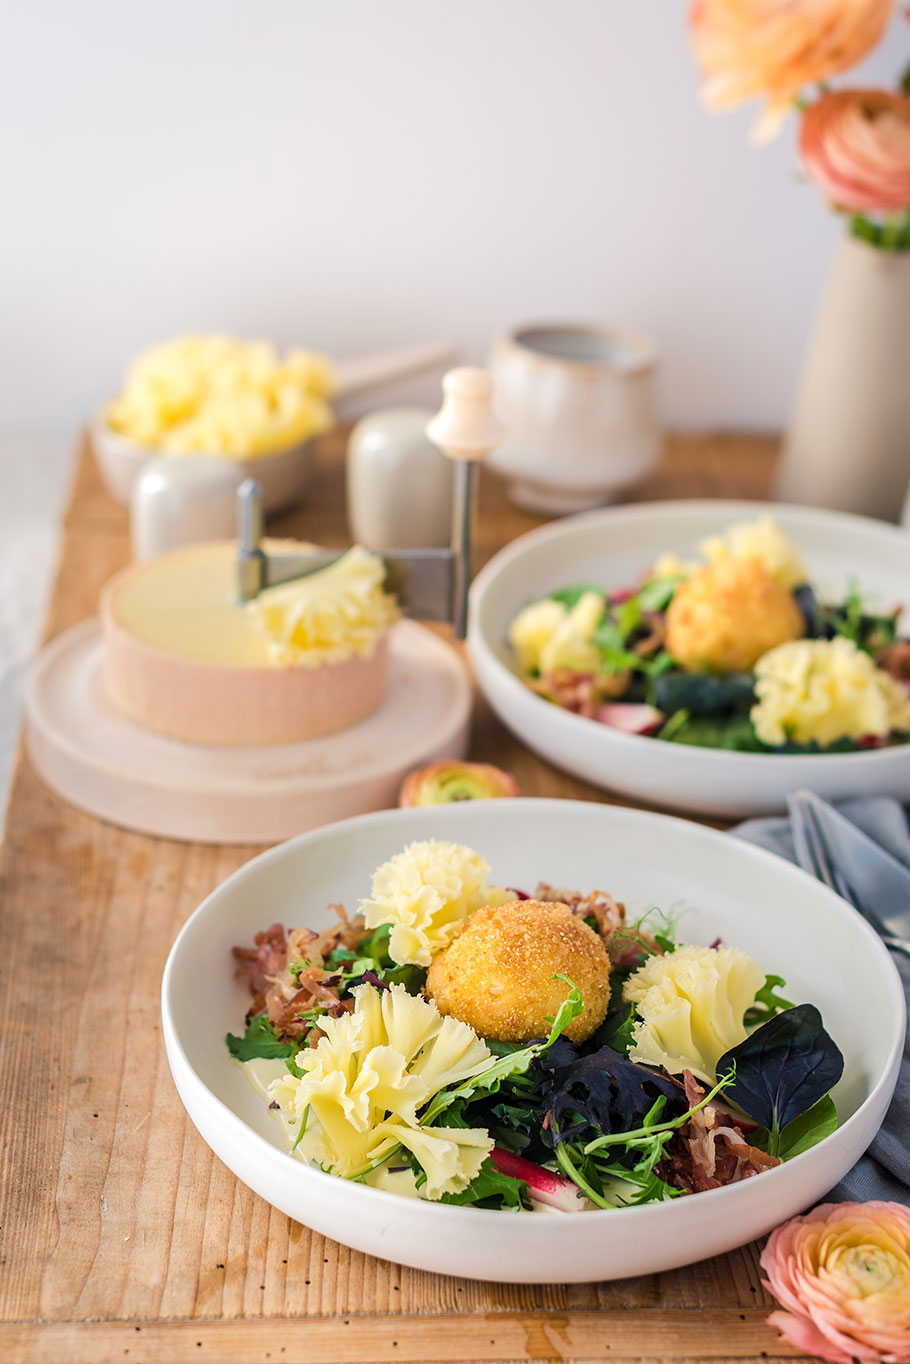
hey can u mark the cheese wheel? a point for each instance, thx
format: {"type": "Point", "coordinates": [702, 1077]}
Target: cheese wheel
{"type": "Point", "coordinates": [185, 658]}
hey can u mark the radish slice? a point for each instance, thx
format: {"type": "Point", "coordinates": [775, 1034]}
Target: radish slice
{"type": "Point", "coordinates": [630, 718]}
{"type": "Point", "coordinates": [546, 1188]}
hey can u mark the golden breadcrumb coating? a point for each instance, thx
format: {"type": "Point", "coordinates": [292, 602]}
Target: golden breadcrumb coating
{"type": "Point", "coordinates": [728, 614]}
{"type": "Point", "coordinates": [497, 974]}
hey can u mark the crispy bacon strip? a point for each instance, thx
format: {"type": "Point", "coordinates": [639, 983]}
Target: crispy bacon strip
{"type": "Point", "coordinates": [284, 997]}
{"type": "Point", "coordinates": [710, 1150]}
{"type": "Point", "coordinates": [895, 659]}
{"type": "Point", "coordinates": [581, 692]}
{"type": "Point", "coordinates": [626, 946]}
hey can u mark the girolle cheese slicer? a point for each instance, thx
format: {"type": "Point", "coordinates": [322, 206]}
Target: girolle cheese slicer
{"type": "Point", "coordinates": [431, 584]}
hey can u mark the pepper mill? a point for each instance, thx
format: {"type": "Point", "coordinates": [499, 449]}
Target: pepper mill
{"type": "Point", "coordinates": [466, 429]}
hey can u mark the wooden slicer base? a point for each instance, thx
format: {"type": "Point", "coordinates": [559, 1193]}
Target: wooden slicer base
{"type": "Point", "coordinates": [104, 763]}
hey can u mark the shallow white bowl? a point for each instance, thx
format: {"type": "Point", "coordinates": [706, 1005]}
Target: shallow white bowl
{"type": "Point", "coordinates": [282, 475]}
{"type": "Point", "coordinates": [789, 923]}
{"type": "Point", "coordinates": [614, 548]}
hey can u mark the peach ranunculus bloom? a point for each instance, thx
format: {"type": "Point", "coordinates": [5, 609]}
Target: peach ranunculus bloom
{"type": "Point", "coordinates": [774, 48]}
{"type": "Point", "coordinates": [855, 145]}
{"type": "Point", "coordinates": [843, 1274]}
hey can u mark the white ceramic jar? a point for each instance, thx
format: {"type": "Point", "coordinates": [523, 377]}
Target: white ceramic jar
{"type": "Point", "coordinates": [579, 406]}
{"type": "Point", "coordinates": [399, 488]}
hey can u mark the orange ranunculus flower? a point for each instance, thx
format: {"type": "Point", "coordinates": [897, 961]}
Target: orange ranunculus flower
{"type": "Point", "coordinates": [843, 1274]}
{"type": "Point", "coordinates": [444, 782]}
{"type": "Point", "coordinates": [855, 144]}
{"type": "Point", "coordinates": [749, 48]}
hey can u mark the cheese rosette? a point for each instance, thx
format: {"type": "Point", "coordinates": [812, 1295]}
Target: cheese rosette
{"type": "Point", "coordinates": [217, 395]}
{"type": "Point", "coordinates": [690, 1005]}
{"type": "Point", "coordinates": [824, 690]}
{"type": "Point", "coordinates": [546, 635]}
{"type": "Point", "coordinates": [328, 616]}
{"type": "Point", "coordinates": [367, 1077]}
{"type": "Point", "coordinates": [763, 540]}
{"type": "Point", "coordinates": [425, 893]}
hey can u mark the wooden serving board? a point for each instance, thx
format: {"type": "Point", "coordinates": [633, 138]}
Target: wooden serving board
{"type": "Point", "coordinates": [122, 1238]}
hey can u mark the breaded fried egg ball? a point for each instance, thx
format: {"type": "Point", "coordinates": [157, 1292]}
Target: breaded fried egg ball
{"type": "Point", "coordinates": [726, 615]}
{"type": "Point", "coordinates": [497, 974]}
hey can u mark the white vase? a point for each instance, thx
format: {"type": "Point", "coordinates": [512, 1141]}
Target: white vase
{"type": "Point", "coordinates": [848, 447]}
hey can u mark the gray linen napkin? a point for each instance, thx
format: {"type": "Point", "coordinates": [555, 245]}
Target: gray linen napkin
{"type": "Point", "coordinates": [884, 1171]}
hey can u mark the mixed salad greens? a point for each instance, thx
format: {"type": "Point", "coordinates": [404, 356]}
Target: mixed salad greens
{"type": "Point", "coordinates": [655, 659]}
{"type": "Point", "coordinates": [565, 1126]}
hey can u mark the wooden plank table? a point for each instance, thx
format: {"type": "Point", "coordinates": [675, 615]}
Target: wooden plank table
{"type": "Point", "coordinates": [122, 1238]}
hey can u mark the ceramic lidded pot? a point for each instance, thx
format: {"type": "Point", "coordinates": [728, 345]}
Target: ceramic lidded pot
{"type": "Point", "coordinates": [579, 406]}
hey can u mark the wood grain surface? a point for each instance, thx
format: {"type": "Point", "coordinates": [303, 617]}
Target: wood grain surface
{"type": "Point", "coordinates": [122, 1238]}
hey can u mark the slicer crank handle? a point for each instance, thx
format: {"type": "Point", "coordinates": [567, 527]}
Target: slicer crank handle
{"type": "Point", "coordinates": [466, 429]}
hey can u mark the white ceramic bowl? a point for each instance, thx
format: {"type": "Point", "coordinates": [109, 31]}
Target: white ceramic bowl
{"type": "Point", "coordinates": [789, 923]}
{"type": "Point", "coordinates": [282, 475]}
{"type": "Point", "coordinates": [614, 548]}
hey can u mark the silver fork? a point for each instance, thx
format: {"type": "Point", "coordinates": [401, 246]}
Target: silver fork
{"type": "Point", "coordinates": [827, 872]}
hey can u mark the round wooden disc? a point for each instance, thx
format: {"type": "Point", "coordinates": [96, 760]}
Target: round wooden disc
{"type": "Point", "coordinates": [104, 763]}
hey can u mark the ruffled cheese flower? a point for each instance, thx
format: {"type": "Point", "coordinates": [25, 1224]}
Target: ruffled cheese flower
{"type": "Point", "coordinates": [749, 48]}
{"type": "Point", "coordinates": [824, 690]}
{"type": "Point", "coordinates": [672, 566]}
{"type": "Point", "coordinates": [570, 645]}
{"type": "Point", "coordinates": [843, 1274]}
{"type": "Point", "coordinates": [691, 1005]}
{"type": "Point", "coordinates": [855, 145]}
{"type": "Point", "coordinates": [366, 1079]}
{"type": "Point", "coordinates": [531, 631]}
{"type": "Point", "coordinates": [215, 395]}
{"type": "Point", "coordinates": [762, 540]}
{"type": "Point", "coordinates": [331, 615]}
{"type": "Point", "coordinates": [546, 636]}
{"type": "Point", "coordinates": [425, 893]}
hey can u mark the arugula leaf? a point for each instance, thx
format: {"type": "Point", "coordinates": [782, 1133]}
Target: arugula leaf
{"type": "Point", "coordinates": [767, 1002]}
{"type": "Point", "coordinates": [259, 1040]}
{"type": "Point", "coordinates": [783, 1069]}
{"type": "Point", "coordinates": [673, 725]}
{"type": "Point", "coordinates": [377, 945]}
{"type": "Point", "coordinates": [734, 732]}
{"type": "Point", "coordinates": [809, 1129]}
{"type": "Point", "coordinates": [491, 1189]}
{"type": "Point", "coordinates": [617, 1028]}
{"type": "Point", "coordinates": [628, 616]}
{"type": "Point", "coordinates": [655, 667]}
{"type": "Point", "coordinates": [865, 629]}
{"type": "Point", "coordinates": [657, 593]}
{"type": "Point", "coordinates": [609, 639]}
{"type": "Point", "coordinates": [512, 1063]}
{"type": "Point", "coordinates": [413, 978]}
{"type": "Point", "coordinates": [802, 1133]}
{"type": "Point", "coordinates": [571, 596]}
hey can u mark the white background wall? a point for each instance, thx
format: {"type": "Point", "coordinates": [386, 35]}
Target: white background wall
{"type": "Point", "coordinates": [353, 174]}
